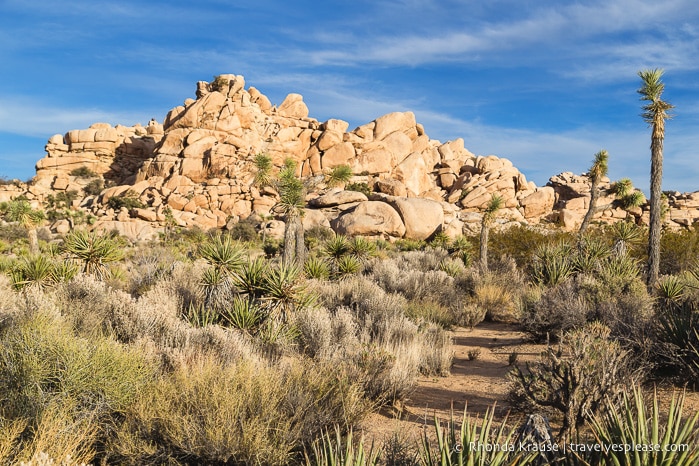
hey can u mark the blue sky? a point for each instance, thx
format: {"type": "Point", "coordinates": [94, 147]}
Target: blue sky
{"type": "Point", "coordinates": [545, 83]}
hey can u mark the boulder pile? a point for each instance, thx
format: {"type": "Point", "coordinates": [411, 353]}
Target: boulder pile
{"type": "Point", "coordinates": [197, 169]}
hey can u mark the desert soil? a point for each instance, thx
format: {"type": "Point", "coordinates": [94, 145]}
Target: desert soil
{"type": "Point", "coordinates": [479, 383]}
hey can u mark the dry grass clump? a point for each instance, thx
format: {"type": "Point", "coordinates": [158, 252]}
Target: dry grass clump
{"type": "Point", "coordinates": [246, 413]}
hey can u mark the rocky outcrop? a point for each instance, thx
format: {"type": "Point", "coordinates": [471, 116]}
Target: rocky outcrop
{"type": "Point", "coordinates": [197, 169]}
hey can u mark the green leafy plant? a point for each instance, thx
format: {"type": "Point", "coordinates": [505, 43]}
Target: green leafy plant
{"type": "Point", "coordinates": [94, 251]}
{"type": "Point", "coordinates": [317, 268]}
{"type": "Point", "coordinates": [348, 265]}
{"type": "Point", "coordinates": [223, 252]}
{"type": "Point", "coordinates": [243, 314]}
{"type": "Point", "coordinates": [263, 175]}
{"type": "Point", "coordinates": [337, 246]}
{"type": "Point", "coordinates": [633, 422]}
{"type": "Point", "coordinates": [94, 187]}
{"type": "Point", "coordinates": [83, 172]}
{"type": "Point", "coordinates": [453, 444]}
{"type": "Point", "coordinates": [339, 175]}
{"type": "Point", "coordinates": [128, 200]}
{"type": "Point", "coordinates": [359, 187]}
{"type": "Point", "coordinates": [329, 451]}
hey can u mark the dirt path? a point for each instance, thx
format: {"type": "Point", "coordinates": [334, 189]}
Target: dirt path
{"type": "Point", "coordinates": [479, 382]}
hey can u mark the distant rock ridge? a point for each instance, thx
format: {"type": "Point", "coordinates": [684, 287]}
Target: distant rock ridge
{"type": "Point", "coordinates": [197, 169]}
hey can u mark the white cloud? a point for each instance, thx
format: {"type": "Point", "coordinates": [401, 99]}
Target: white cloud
{"type": "Point", "coordinates": [25, 116]}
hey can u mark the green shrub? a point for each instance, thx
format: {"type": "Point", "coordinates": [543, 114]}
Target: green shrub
{"type": "Point", "coordinates": [339, 175]}
{"type": "Point", "coordinates": [128, 200]}
{"type": "Point", "coordinates": [329, 451]}
{"type": "Point", "coordinates": [83, 172]}
{"type": "Point", "coordinates": [94, 187]}
{"type": "Point", "coordinates": [245, 231]}
{"type": "Point", "coordinates": [94, 251]}
{"type": "Point", "coordinates": [559, 309]}
{"type": "Point", "coordinates": [317, 268]}
{"type": "Point", "coordinates": [359, 187]}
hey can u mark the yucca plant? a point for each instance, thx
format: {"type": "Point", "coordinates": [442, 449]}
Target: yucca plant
{"type": "Point", "coordinates": [362, 248]}
{"type": "Point", "coordinates": [329, 451]}
{"type": "Point", "coordinates": [619, 267]}
{"type": "Point", "coordinates": [459, 445]}
{"type": "Point", "coordinates": [552, 263]}
{"type": "Point", "coordinates": [223, 252]}
{"type": "Point", "coordinates": [337, 246]}
{"type": "Point", "coordinates": [624, 234]}
{"type": "Point", "coordinates": [339, 175]}
{"type": "Point", "coordinates": [244, 314]}
{"type": "Point", "coordinates": [316, 267]}
{"type": "Point", "coordinates": [284, 290]}
{"type": "Point", "coordinates": [633, 199]}
{"type": "Point", "coordinates": [34, 271]}
{"type": "Point", "coordinates": [199, 315]}
{"type": "Point", "coordinates": [94, 251]}
{"type": "Point", "coordinates": [451, 267]}
{"type": "Point", "coordinates": [671, 288]}
{"type": "Point", "coordinates": [632, 423]}
{"type": "Point", "coordinates": [263, 175]}
{"type": "Point", "coordinates": [250, 278]}
{"type": "Point", "coordinates": [440, 240]}
{"type": "Point", "coordinates": [348, 265]}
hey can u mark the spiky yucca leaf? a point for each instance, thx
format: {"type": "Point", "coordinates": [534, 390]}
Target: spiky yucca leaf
{"type": "Point", "coordinates": [337, 246]}
{"type": "Point", "coordinates": [633, 423]}
{"type": "Point", "coordinates": [329, 451]}
{"type": "Point", "coordinates": [316, 267]}
{"type": "Point", "coordinates": [223, 252]}
{"type": "Point", "coordinates": [244, 314]}
{"type": "Point", "coordinates": [93, 250]}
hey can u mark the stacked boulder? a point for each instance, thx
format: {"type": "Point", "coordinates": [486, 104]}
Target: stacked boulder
{"type": "Point", "coordinates": [198, 169]}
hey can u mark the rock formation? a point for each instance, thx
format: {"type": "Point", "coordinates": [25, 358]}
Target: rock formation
{"type": "Point", "coordinates": [197, 169]}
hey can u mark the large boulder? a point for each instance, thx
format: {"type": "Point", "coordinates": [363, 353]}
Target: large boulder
{"type": "Point", "coordinates": [422, 217]}
{"type": "Point", "coordinates": [539, 202]}
{"type": "Point", "coordinates": [371, 218]}
{"type": "Point", "coordinates": [337, 197]}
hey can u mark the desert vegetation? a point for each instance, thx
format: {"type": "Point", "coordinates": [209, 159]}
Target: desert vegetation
{"type": "Point", "coordinates": [203, 349]}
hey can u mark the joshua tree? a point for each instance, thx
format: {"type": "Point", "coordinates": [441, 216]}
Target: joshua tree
{"type": "Point", "coordinates": [655, 112]}
{"type": "Point", "coordinates": [292, 195]}
{"type": "Point", "coordinates": [488, 218]}
{"type": "Point", "coordinates": [597, 171]}
{"type": "Point", "coordinates": [21, 211]}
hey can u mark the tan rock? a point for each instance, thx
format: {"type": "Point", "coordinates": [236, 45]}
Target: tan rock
{"type": "Point", "coordinates": [337, 197]}
{"type": "Point", "coordinates": [570, 219]}
{"type": "Point", "coordinates": [146, 214]}
{"type": "Point", "coordinates": [538, 203]}
{"type": "Point", "coordinates": [328, 139]}
{"type": "Point", "coordinates": [293, 107]}
{"type": "Point", "coordinates": [413, 173]}
{"type": "Point", "coordinates": [340, 154]}
{"type": "Point", "coordinates": [314, 218]}
{"type": "Point", "coordinates": [392, 188]}
{"type": "Point", "coordinates": [134, 230]}
{"type": "Point", "coordinates": [339, 126]}
{"type": "Point", "coordinates": [397, 121]}
{"type": "Point", "coordinates": [421, 217]}
{"type": "Point", "coordinates": [371, 218]}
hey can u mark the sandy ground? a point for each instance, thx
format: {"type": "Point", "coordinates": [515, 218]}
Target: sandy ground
{"type": "Point", "coordinates": [479, 383]}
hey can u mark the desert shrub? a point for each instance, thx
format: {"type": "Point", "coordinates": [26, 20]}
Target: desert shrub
{"type": "Point", "coordinates": [496, 300]}
{"type": "Point", "coordinates": [12, 232]}
{"type": "Point", "coordinates": [245, 230]}
{"type": "Point", "coordinates": [557, 310]}
{"type": "Point", "coordinates": [244, 413]}
{"type": "Point", "coordinates": [359, 187]}
{"type": "Point", "coordinates": [588, 368]}
{"type": "Point", "coordinates": [633, 422]}
{"type": "Point", "coordinates": [128, 200]}
{"type": "Point", "coordinates": [406, 244]}
{"type": "Point", "coordinates": [678, 250]}
{"type": "Point", "coordinates": [316, 236]}
{"type": "Point", "coordinates": [437, 353]}
{"type": "Point", "coordinates": [67, 388]}
{"type": "Point", "coordinates": [83, 172]}
{"type": "Point", "coordinates": [336, 246]}
{"type": "Point", "coordinates": [94, 187]}
{"type": "Point", "coordinates": [519, 242]}
{"type": "Point", "coordinates": [347, 265]}
{"type": "Point", "coordinates": [426, 310]}
{"type": "Point", "coordinates": [223, 253]}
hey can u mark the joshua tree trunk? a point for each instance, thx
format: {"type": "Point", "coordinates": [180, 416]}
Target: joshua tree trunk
{"type": "Point", "coordinates": [485, 229]}
{"type": "Point", "coordinates": [294, 245]}
{"type": "Point", "coordinates": [33, 241]}
{"type": "Point", "coordinates": [656, 178]}
{"type": "Point", "coordinates": [594, 195]}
